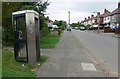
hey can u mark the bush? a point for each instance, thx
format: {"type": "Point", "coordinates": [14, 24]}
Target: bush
{"type": "Point", "coordinates": [62, 27]}
{"type": "Point", "coordinates": [44, 32]}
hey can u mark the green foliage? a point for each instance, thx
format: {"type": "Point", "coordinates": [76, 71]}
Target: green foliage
{"type": "Point", "coordinates": [7, 31]}
{"type": "Point", "coordinates": [44, 32]}
{"type": "Point", "coordinates": [42, 6]}
{"type": "Point", "coordinates": [75, 25]}
{"type": "Point", "coordinates": [10, 7]}
{"type": "Point", "coordinates": [43, 23]}
{"type": "Point", "coordinates": [61, 24]}
{"type": "Point", "coordinates": [62, 27]}
{"type": "Point", "coordinates": [26, 7]}
{"type": "Point", "coordinates": [56, 22]}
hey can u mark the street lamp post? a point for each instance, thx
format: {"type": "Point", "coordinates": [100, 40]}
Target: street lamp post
{"type": "Point", "coordinates": [97, 22]}
{"type": "Point", "coordinates": [69, 17]}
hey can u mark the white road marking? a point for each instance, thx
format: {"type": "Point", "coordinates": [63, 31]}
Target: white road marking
{"type": "Point", "coordinates": [88, 67]}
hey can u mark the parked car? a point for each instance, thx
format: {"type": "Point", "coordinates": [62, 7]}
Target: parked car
{"type": "Point", "coordinates": [76, 28]}
{"type": "Point", "coordinates": [82, 28]}
{"type": "Point", "coordinates": [54, 26]}
{"type": "Point", "coordinates": [72, 27]}
{"type": "Point", "coordinates": [68, 28]}
{"type": "Point", "coordinates": [114, 28]}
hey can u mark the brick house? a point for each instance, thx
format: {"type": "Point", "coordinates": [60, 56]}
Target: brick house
{"type": "Point", "coordinates": [97, 20]}
{"type": "Point", "coordinates": [115, 18]}
{"type": "Point", "coordinates": [106, 20]}
{"type": "Point", "coordinates": [85, 22]}
{"type": "Point", "coordinates": [94, 20]}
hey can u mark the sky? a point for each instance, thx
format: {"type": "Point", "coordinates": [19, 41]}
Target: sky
{"type": "Point", "coordinates": [79, 9]}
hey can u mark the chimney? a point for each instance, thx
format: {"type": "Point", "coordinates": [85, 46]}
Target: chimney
{"type": "Point", "coordinates": [98, 13]}
{"type": "Point", "coordinates": [105, 10]}
{"type": "Point", "coordinates": [88, 17]}
{"type": "Point", "coordinates": [92, 16]}
{"type": "Point", "coordinates": [47, 17]}
{"type": "Point", "coordinates": [119, 4]}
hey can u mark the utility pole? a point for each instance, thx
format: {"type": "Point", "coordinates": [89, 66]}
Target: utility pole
{"type": "Point", "coordinates": [69, 17]}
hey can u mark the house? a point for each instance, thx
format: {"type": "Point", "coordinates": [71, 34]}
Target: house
{"type": "Point", "coordinates": [89, 21]}
{"type": "Point", "coordinates": [94, 21]}
{"type": "Point", "coordinates": [106, 20]}
{"type": "Point", "coordinates": [85, 22]}
{"type": "Point", "coordinates": [49, 22]}
{"type": "Point", "coordinates": [99, 20]}
{"type": "Point", "coordinates": [103, 20]}
{"type": "Point", "coordinates": [115, 17]}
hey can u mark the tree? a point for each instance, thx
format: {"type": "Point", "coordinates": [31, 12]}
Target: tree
{"type": "Point", "coordinates": [75, 25]}
{"type": "Point", "coordinates": [42, 6]}
{"type": "Point", "coordinates": [7, 30]}
{"type": "Point", "coordinates": [61, 24]}
{"type": "Point", "coordinates": [8, 8]}
{"type": "Point", "coordinates": [43, 23]}
{"type": "Point", "coordinates": [56, 22]}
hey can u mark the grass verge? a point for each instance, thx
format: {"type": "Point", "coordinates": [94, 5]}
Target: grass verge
{"type": "Point", "coordinates": [0, 67]}
{"type": "Point", "coordinates": [11, 68]}
{"type": "Point", "coordinates": [49, 41]}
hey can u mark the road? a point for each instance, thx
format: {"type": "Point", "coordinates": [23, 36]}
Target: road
{"type": "Point", "coordinates": [77, 47]}
{"type": "Point", "coordinates": [103, 48]}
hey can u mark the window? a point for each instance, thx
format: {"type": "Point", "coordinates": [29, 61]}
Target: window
{"type": "Point", "coordinates": [113, 17]}
{"type": "Point", "coordinates": [104, 19]}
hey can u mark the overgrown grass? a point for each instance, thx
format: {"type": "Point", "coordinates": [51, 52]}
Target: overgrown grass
{"type": "Point", "coordinates": [11, 68]}
{"type": "Point", "coordinates": [43, 59]}
{"type": "Point", "coordinates": [0, 66]}
{"type": "Point", "coordinates": [49, 41]}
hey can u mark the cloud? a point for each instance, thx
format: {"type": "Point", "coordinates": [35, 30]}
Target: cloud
{"type": "Point", "coordinates": [58, 9]}
{"type": "Point", "coordinates": [71, 1]}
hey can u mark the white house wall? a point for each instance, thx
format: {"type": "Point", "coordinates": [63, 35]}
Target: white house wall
{"type": "Point", "coordinates": [107, 19]}
{"type": "Point", "coordinates": [89, 22]}
{"type": "Point", "coordinates": [93, 21]}
{"type": "Point", "coordinates": [50, 24]}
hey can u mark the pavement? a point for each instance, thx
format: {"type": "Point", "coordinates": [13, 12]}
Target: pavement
{"type": "Point", "coordinates": [106, 34]}
{"type": "Point", "coordinates": [66, 58]}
